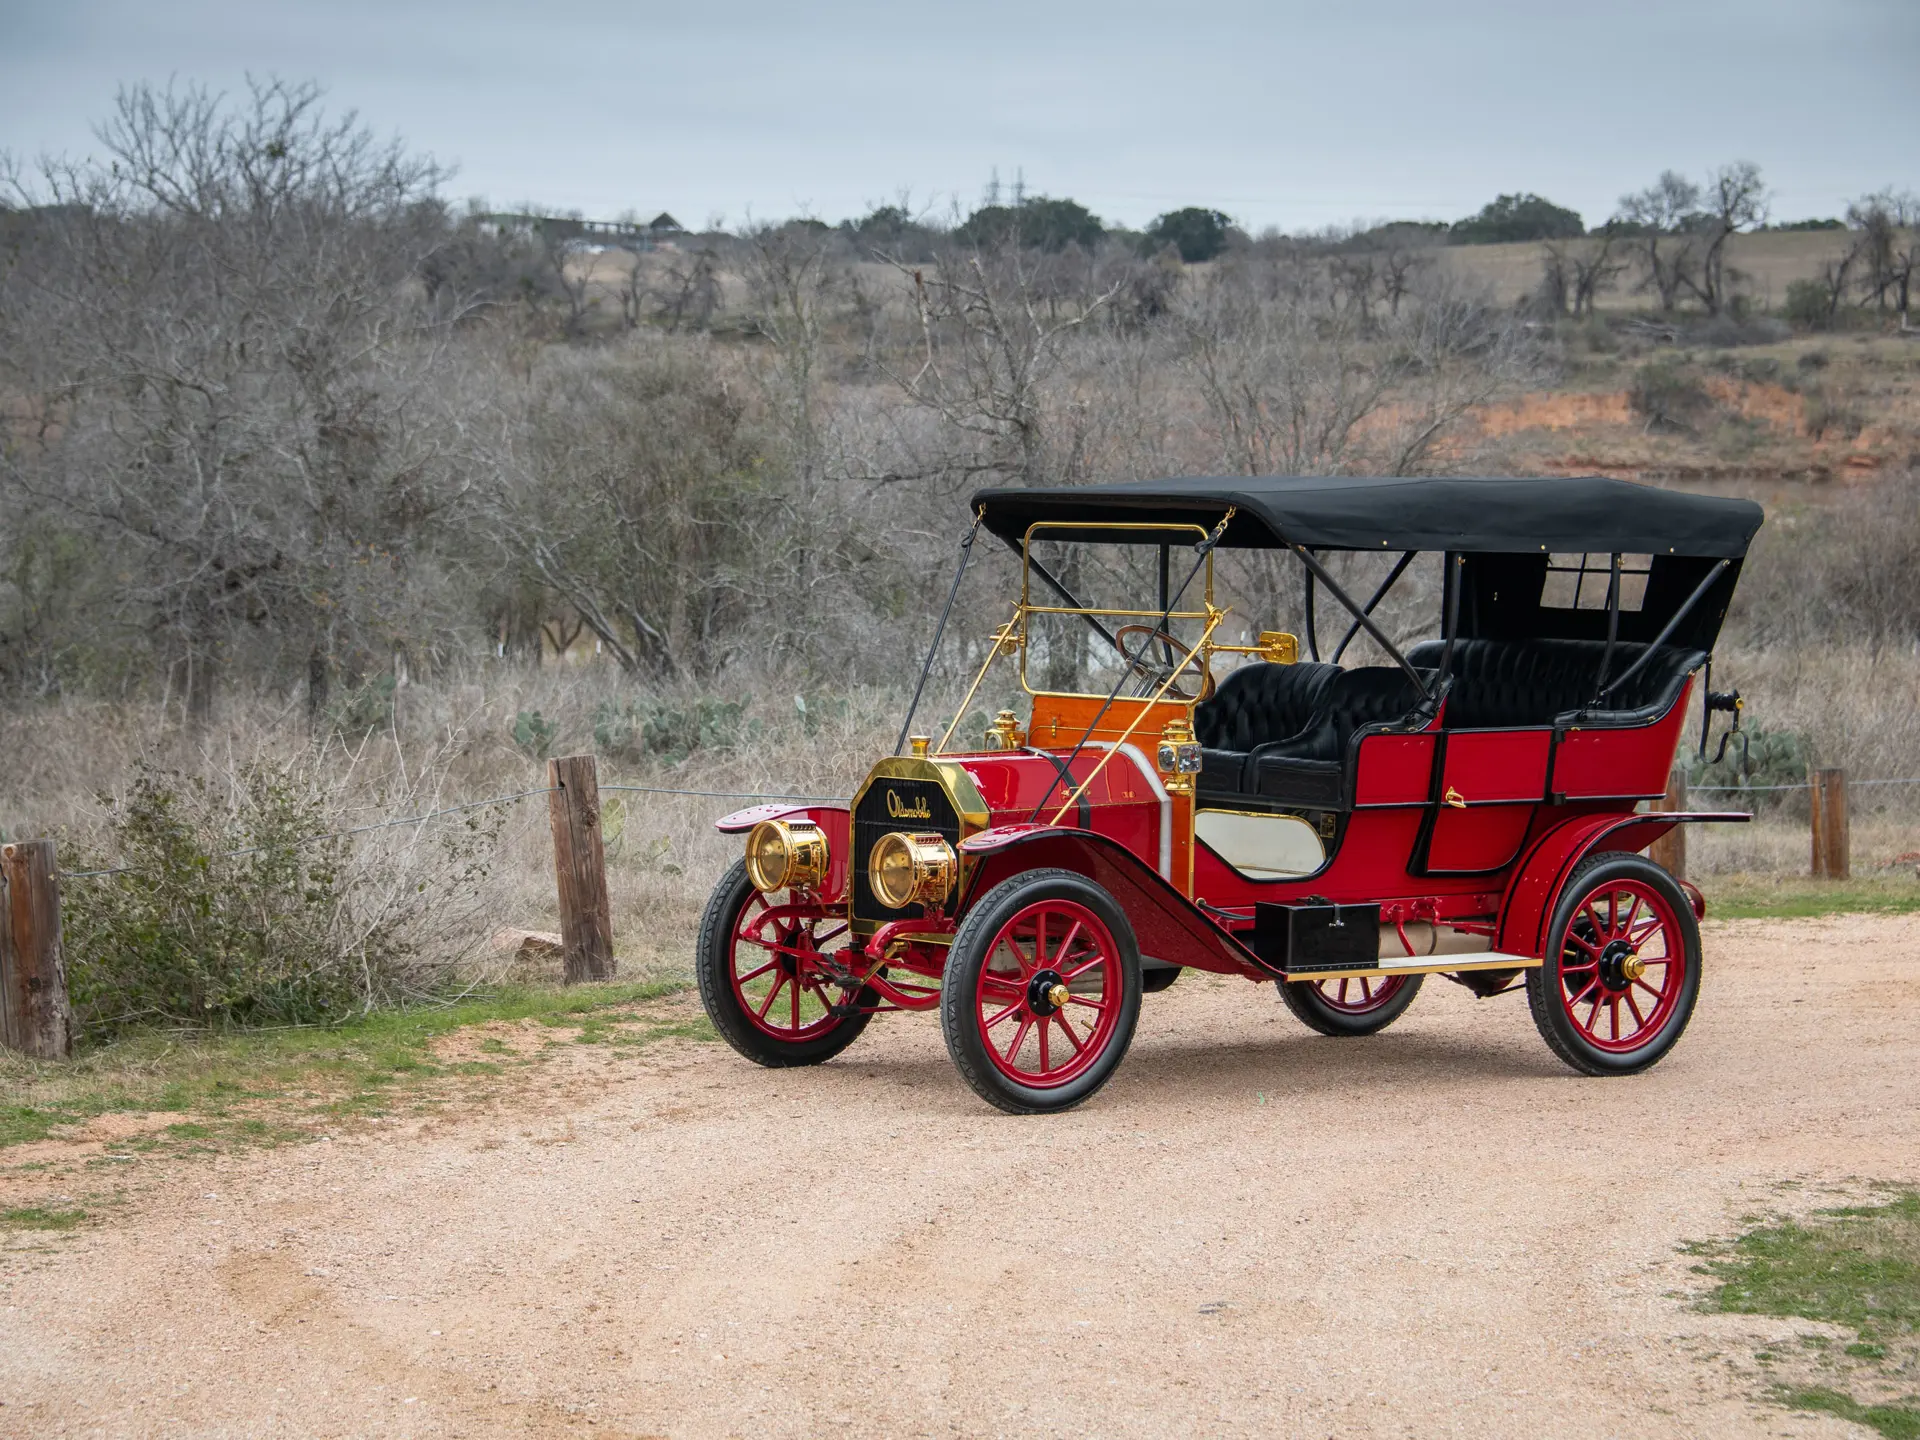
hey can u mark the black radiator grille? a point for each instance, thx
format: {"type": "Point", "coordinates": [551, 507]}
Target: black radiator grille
{"type": "Point", "coordinates": [875, 816]}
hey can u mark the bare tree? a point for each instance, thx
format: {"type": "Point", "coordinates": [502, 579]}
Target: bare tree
{"type": "Point", "coordinates": [218, 308]}
{"type": "Point", "coordinates": [685, 289]}
{"type": "Point", "coordinates": [1887, 247]}
{"type": "Point", "coordinates": [633, 495]}
{"type": "Point", "coordinates": [1400, 269]}
{"type": "Point", "coordinates": [1577, 272]}
{"type": "Point", "coordinates": [987, 351]}
{"type": "Point", "coordinates": [1290, 392]}
{"type": "Point", "coordinates": [1556, 283]}
{"type": "Point", "coordinates": [1735, 199]}
{"type": "Point", "coordinates": [789, 279]}
{"type": "Point", "coordinates": [1660, 225]}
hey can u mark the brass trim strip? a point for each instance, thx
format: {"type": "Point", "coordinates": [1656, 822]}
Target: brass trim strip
{"type": "Point", "coordinates": [1436, 966]}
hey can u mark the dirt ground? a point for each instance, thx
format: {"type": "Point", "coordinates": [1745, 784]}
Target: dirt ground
{"type": "Point", "coordinates": [1253, 1231]}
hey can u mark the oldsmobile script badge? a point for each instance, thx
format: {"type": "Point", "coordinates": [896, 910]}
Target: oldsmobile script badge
{"type": "Point", "coordinates": [904, 810]}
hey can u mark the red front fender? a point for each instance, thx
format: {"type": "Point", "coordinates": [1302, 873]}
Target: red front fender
{"type": "Point", "coordinates": [1168, 925]}
{"type": "Point", "coordinates": [1538, 878]}
{"type": "Point", "coordinates": [833, 819]}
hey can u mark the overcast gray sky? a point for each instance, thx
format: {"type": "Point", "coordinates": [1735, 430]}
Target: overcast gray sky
{"type": "Point", "coordinates": [1282, 113]}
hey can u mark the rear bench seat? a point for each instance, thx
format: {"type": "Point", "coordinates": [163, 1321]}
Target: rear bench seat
{"type": "Point", "coordinates": [1280, 732]}
{"type": "Point", "coordinates": [1504, 684]}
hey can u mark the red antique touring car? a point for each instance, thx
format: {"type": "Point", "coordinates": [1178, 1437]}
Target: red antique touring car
{"type": "Point", "coordinates": [1471, 807]}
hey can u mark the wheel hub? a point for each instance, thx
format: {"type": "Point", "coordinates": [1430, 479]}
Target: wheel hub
{"type": "Point", "coordinates": [1620, 966]}
{"type": "Point", "coordinates": [1047, 992]}
{"type": "Point", "coordinates": [787, 960]}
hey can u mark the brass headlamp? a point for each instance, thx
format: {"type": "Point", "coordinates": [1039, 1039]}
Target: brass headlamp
{"type": "Point", "coordinates": [786, 855]}
{"type": "Point", "coordinates": [907, 866]}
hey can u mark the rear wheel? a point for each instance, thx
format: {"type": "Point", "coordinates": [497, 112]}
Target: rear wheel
{"type": "Point", "coordinates": [1041, 992]}
{"type": "Point", "coordinates": [1353, 1005]}
{"type": "Point", "coordinates": [764, 978]}
{"type": "Point", "coordinates": [1622, 968]}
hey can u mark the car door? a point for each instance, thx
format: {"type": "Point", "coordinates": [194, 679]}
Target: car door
{"type": "Point", "coordinates": [1489, 782]}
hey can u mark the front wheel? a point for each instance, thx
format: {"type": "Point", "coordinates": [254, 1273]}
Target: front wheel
{"type": "Point", "coordinates": [1041, 992]}
{"type": "Point", "coordinates": [1351, 1005]}
{"type": "Point", "coordinates": [1622, 967]}
{"type": "Point", "coordinates": [762, 964]}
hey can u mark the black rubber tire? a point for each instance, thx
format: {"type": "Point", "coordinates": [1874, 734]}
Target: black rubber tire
{"type": "Point", "coordinates": [1543, 982]}
{"type": "Point", "coordinates": [967, 956]}
{"type": "Point", "coordinates": [1160, 977]}
{"type": "Point", "coordinates": [711, 968]}
{"type": "Point", "coordinates": [1305, 1001]}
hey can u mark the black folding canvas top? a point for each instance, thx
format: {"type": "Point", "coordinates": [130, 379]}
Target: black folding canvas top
{"type": "Point", "coordinates": [1494, 514]}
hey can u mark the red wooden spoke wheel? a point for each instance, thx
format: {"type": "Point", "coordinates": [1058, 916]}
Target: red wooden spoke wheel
{"type": "Point", "coordinates": [1049, 997]}
{"type": "Point", "coordinates": [776, 966]}
{"type": "Point", "coordinates": [1352, 1004]}
{"type": "Point", "coordinates": [1622, 969]}
{"type": "Point", "coordinates": [765, 967]}
{"type": "Point", "coordinates": [1042, 992]}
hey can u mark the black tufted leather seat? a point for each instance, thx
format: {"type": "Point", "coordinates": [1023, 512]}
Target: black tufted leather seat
{"type": "Point", "coordinates": [1254, 706]}
{"type": "Point", "coordinates": [1282, 732]}
{"type": "Point", "coordinates": [1499, 684]}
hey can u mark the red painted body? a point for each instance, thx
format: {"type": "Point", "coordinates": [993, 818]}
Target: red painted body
{"type": "Point", "coordinates": [1486, 841]}
{"type": "Point", "coordinates": [1478, 828]}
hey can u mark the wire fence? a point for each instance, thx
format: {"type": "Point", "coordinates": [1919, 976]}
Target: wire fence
{"type": "Point", "coordinates": [491, 801]}
{"type": "Point", "coordinates": [1756, 789]}
{"type": "Point", "coordinates": [731, 794]}
{"type": "Point", "coordinates": [518, 795]}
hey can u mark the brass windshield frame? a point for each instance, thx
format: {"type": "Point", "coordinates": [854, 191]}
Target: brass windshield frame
{"type": "Point", "coordinates": [1209, 616]}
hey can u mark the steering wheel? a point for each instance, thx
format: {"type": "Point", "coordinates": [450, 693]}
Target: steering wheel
{"type": "Point", "coordinates": [1157, 671]}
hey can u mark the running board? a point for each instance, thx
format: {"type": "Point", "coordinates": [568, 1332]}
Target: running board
{"type": "Point", "coordinates": [1427, 965]}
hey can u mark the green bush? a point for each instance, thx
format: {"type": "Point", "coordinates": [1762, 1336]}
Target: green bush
{"type": "Point", "coordinates": [194, 932]}
{"type": "Point", "coordinates": [616, 728]}
{"type": "Point", "coordinates": [1510, 218]}
{"type": "Point", "coordinates": [828, 710]}
{"type": "Point", "coordinates": [1755, 759]}
{"type": "Point", "coordinates": [364, 708]}
{"type": "Point", "coordinates": [534, 734]}
{"type": "Point", "coordinates": [1668, 395]}
{"type": "Point", "coordinates": [1807, 306]}
{"type": "Point", "coordinates": [674, 732]}
{"type": "Point", "coordinates": [1198, 234]}
{"type": "Point", "coordinates": [227, 911]}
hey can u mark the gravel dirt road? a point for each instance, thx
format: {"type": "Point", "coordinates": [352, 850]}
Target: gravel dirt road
{"type": "Point", "coordinates": [1253, 1231]}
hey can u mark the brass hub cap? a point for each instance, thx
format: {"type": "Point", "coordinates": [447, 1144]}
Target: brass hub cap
{"type": "Point", "coordinates": [1620, 965]}
{"type": "Point", "coordinates": [1047, 992]}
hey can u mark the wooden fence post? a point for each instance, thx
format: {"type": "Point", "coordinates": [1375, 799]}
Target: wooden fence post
{"type": "Point", "coordinates": [1670, 850]}
{"type": "Point", "coordinates": [34, 1013]}
{"type": "Point", "coordinates": [580, 867]}
{"type": "Point", "coordinates": [1832, 845]}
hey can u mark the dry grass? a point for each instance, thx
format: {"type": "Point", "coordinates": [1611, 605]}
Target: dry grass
{"type": "Point", "coordinates": [664, 855]}
{"type": "Point", "coordinates": [1774, 260]}
{"type": "Point", "coordinates": [1861, 710]}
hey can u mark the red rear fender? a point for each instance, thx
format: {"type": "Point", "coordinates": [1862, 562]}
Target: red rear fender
{"type": "Point", "coordinates": [1543, 870]}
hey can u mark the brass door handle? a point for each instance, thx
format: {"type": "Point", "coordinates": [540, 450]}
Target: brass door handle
{"type": "Point", "coordinates": [1454, 798]}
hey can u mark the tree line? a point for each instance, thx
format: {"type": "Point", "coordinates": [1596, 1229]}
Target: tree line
{"type": "Point", "coordinates": [276, 418]}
